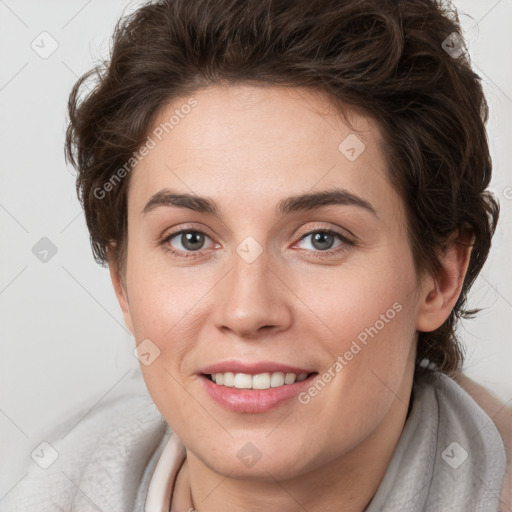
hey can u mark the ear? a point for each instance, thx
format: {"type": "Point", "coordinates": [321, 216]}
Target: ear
{"type": "Point", "coordinates": [121, 293]}
{"type": "Point", "coordinates": [440, 293]}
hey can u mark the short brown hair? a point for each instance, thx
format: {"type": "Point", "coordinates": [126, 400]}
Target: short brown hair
{"type": "Point", "coordinates": [402, 61]}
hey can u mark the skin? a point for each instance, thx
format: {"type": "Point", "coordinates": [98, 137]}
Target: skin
{"type": "Point", "coordinates": [247, 148]}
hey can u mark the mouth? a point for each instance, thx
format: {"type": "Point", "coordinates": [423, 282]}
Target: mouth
{"type": "Point", "coordinates": [254, 388]}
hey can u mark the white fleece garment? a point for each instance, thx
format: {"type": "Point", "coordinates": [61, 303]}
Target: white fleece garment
{"type": "Point", "coordinates": [449, 458]}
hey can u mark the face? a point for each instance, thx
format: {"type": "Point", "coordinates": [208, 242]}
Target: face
{"type": "Point", "coordinates": [225, 274]}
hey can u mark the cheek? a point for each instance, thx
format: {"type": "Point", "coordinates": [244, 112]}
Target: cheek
{"type": "Point", "coordinates": [366, 317]}
{"type": "Point", "coordinates": [357, 299]}
{"type": "Point", "coordinates": [163, 312]}
{"type": "Point", "coordinates": [162, 299]}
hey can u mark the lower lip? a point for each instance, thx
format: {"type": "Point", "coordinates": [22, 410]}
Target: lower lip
{"type": "Point", "coordinates": [253, 400]}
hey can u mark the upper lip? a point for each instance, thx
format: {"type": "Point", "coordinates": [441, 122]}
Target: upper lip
{"type": "Point", "coordinates": [252, 367]}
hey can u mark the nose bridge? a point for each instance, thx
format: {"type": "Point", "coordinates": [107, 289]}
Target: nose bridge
{"type": "Point", "coordinates": [253, 297]}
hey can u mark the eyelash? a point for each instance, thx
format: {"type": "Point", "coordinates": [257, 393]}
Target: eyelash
{"type": "Point", "coordinates": [194, 254]}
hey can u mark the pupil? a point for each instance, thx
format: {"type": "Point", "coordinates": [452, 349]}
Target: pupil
{"type": "Point", "coordinates": [320, 238]}
{"type": "Point", "coordinates": [192, 240]}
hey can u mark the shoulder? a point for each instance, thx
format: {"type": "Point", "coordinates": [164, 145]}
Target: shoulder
{"type": "Point", "coordinates": [95, 458]}
{"type": "Point", "coordinates": [501, 415]}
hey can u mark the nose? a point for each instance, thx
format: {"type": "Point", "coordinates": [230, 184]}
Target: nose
{"type": "Point", "coordinates": [253, 301]}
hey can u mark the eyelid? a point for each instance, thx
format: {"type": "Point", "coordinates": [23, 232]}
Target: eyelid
{"type": "Point", "coordinates": [330, 228]}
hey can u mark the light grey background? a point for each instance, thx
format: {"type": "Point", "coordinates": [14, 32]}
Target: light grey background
{"type": "Point", "coordinates": [63, 342]}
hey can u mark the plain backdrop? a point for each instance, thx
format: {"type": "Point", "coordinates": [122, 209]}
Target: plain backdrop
{"type": "Point", "coordinates": [62, 338]}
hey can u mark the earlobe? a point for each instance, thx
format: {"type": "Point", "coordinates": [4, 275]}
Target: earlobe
{"type": "Point", "coordinates": [121, 294]}
{"type": "Point", "coordinates": [440, 293]}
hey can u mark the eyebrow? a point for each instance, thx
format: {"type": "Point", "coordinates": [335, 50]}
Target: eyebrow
{"type": "Point", "coordinates": [292, 204]}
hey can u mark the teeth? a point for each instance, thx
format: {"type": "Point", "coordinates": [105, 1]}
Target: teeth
{"type": "Point", "coordinates": [289, 378]}
{"type": "Point", "coordinates": [259, 381]}
{"type": "Point", "coordinates": [229, 379]}
{"type": "Point", "coordinates": [243, 381]}
{"type": "Point", "coordinates": [276, 380]}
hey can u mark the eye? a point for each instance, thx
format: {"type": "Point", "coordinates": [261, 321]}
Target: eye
{"type": "Point", "coordinates": [185, 241]}
{"type": "Point", "coordinates": [323, 240]}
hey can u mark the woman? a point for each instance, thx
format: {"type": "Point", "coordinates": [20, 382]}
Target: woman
{"type": "Point", "coordinates": [292, 201]}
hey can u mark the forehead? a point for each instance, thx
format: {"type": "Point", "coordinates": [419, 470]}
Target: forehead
{"type": "Point", "coordinates": [259, 144]}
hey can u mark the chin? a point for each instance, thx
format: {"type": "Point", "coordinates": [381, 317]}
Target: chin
{"type": "Point", "coordinates": [257, 461]}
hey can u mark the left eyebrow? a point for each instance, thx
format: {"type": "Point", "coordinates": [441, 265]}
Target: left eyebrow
{"type": "Point", "coordinates": [337, 196]}
{"type": "Point", "coordinates": [292, 204]}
